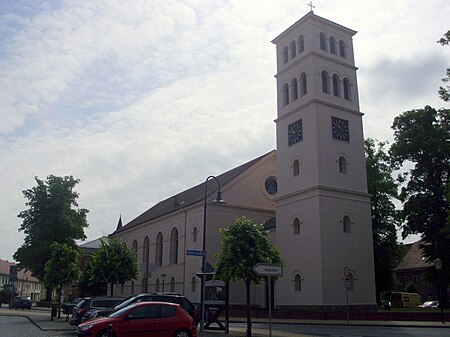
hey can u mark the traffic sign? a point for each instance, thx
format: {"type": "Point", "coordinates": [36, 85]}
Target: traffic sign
{"type": "Point", "coordinates": [346, 271]}
{"type": "Point", "coordinates": [192, 252]}
{"type": "Point", "coordinates": [264, 269]}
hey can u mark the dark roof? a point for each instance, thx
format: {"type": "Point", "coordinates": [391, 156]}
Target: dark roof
{"type": "Point", "coordinates": [413, 259]}
{"type": "Point", "coordinates": [271, 223]}
{"type": "Point", "coordinates": [188, 197]}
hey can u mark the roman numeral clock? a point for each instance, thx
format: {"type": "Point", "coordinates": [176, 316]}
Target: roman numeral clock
{"type": "Point", "coordinates": [339, 129]}
{"type": "Point", "coordinates": [295, 132]}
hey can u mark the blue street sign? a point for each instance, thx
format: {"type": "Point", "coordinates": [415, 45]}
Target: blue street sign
{"type": "Point", "coordinates": [191, 252]}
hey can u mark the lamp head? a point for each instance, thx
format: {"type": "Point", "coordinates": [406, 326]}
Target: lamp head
{"type": "Point", "coordinates": [218, 199]}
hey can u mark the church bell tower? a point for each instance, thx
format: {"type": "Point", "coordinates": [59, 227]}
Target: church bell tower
{"type": "Point", "coordinates": [323, 216]}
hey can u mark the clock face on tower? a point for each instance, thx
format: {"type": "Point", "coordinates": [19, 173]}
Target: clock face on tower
{"type": "Point", "coordinates": [339, 129]}
{"type": "Point", "coordinates": [295, 132]}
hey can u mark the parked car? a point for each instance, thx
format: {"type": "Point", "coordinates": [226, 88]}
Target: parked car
{"type": "Point", "coordinates": [89, 303]}
{"type": "Point", "coordinates": [145, 297]}
{"type": "Point", "coordinates": [68, 307]}
{"type": "Point", "coordinates": [161, 319]}
{"type": "Point", "coordinates": [22, 302]}
{"type": "Point", "coordinates": [430, 304]}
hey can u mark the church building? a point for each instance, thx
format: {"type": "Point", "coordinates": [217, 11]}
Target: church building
{"type": "Point", "coordinates": [310, 193]}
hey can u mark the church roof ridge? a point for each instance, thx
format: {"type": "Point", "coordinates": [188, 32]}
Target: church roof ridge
{"type": "Point", "coordinates": [190, 196]}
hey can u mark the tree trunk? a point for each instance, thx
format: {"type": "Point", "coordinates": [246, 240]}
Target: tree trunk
{"type": "Point", "coordinates": [48, 294]}
{"type": "Point", "coordinates": [112, 289]}
{"type": "Point", "coordinates": [59, 301]}
{"type": "Point", "coordinates": [249, 318]}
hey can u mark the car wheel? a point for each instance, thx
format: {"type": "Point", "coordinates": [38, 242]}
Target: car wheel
{"type": "Point", "coordinates": [182, 333]}
{"type": "Point", "coordinates": [104, 333]}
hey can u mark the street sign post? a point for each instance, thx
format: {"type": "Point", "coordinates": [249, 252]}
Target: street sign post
{"type": "Point", "coordinates": [269, 270]}
{"type": "Point", "coordinates": [191, 252]}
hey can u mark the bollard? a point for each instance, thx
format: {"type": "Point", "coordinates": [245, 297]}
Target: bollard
{"type": "Point", "coordinates": [53, 311]}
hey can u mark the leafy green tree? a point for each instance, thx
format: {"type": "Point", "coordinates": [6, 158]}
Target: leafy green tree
{"type": "Point", "coordinates": [385, 218]}
{"type": "Point", "coordinates": [51, 217]}
{"type": "Point", "coordinates": [90, 286]}
{"type": "Point", "coordinates": [114, 263]}
{"type": "Point", "coordinates": [444, 93]}
{"type": "Point", "coordinates": [244, 244]}
{"type": "Point", "coordinates": [422, 139]}
{"type": "Point", "coordinates": [63, 268]}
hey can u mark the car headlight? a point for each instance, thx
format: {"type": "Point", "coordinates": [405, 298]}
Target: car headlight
{"type": "Point", "coordinates": [85, 327]}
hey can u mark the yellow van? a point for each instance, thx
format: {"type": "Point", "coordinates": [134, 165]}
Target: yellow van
{"type": "Point", "coordinates": [405, 300]}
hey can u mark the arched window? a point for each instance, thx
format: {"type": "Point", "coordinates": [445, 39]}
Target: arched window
{"type": "Point", "coordinates": [174, 246]}
{"type": "Point", "coordinates": [293, 49]}
{"type": "Point", "coordinates": [303, 86]}
{"type": "Point", "coordinates": [342, 52]}
{"type": "Point", "coordinates": [296, 226]}
{"type": "Point", "coordinates": [146, 252]}
{"type": "Point", "coordinates": [144, 285]}
{"type": "Point", "coordinates": [172, 285]}
{"type": "Point", "coordinates": [323, 41]}
{"type": "Point", "coordinates": [294, 89]}
{"type": "Point", "coordinates": [134, 246]}
{"type": "Point", "coordinates": [346, 222]}
{"type": "Point", "coordinates": [301, 44]}
{"type": "Point", "coordinates": [342, 165]}
{"type": "Point", "coordinates": [296, 168]}
{"type": "Point", "coordinates": [347, 93]}
{"type": "Point", "coordinates": [285, 55]}
{"type": "Point", "coordinates": [325, 86]}
{"type": "Point", "coordinates": [297, 282]}
{"type": "Point", "coordinates": [159, 249]}
{"type": "Point", "coordinates": [157, 285]}
{"type": "Point", "coordinates": [332, 45]}
{"type": "Point", "coordinates": [194, 234]}
{"type": "Point", "coordinates": [285, 94]}
{"type": "Point", "coordinates": [194, 284]}
{"type": "Point", "coordinates": [336, 85]}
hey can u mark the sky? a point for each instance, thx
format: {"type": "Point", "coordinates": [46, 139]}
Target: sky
{"type": "Point", "coordinates": [142, 99]}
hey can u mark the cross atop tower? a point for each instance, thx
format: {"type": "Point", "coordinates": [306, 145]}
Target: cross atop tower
{"type": "Point", "coordinates": [312, 6]}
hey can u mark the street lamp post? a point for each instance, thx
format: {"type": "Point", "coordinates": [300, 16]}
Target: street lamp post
{"type": "Point", "coordinates": [202, 295]}
{"type": "Point", "coordinates": [438, 265]}
{"type": "Point", "coordinates": [163, 276]}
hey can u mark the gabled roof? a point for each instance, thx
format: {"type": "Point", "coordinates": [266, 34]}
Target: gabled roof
{"type": "Point", "coordinates": [94, 244]}
{"type": "Point", "coordinates": [190, 196]}
{"type": "Point", "coordinates": [413, 259]}
{"type": "Point", "coordinates": [21, 274]}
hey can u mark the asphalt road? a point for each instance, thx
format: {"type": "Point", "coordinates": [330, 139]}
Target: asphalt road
{"type": "Point", "coordinates": [13, 326]}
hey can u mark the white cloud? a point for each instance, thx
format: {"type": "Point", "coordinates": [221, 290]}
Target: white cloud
{"type": "Point", "coordinates": [141, 100]}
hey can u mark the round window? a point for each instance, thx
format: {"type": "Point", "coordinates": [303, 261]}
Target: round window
{"type": "Point", "coordinates": [271, 185]}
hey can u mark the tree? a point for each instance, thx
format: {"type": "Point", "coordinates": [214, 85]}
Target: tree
{"type": "Point", "coordinates": [244, 244]}
{"type": "Point", "coordinates": [385, 218]}
{"type": "Point", "coordinates": [114, 263]}
{"type": "Point", "coordinates": [50, 217]}
{"type": "Point", "coordinates": [444, 93]}
{"type": "Point", "coordinates": [422, 138]}
{"type": "Point", "coordinates": [62, 269]}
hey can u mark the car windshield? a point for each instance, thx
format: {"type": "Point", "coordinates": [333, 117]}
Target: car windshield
{"type": "Point", "coordinates": [125, 303]}
{"type": "Point", "coordinates": [119, 312]}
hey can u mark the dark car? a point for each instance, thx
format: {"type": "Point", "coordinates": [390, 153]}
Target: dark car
{"type": "Point", "coordinates": [68, 307]}
{"type": "Point", "coordinates": [160, 319]}
{"type": "Point", "coordinates": [158, 297]}
{"type": "Point", "coordinates": [89, 303]}
{"type": "Point", "coordinates": [22, 302]}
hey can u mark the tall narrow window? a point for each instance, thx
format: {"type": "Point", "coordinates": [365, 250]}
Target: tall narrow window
{"type": "Point", "coordinates": [332, 45]}
{"type": "Point", "coordinates": [159, 249]}
{"type": "Point", "coordinates": [294, 89]}
{"type": "Point", "coordinates": [342, 52]}
{"type": "Point", "coordinates": [285, 55]}
{"type": "Point", "coordinates": [296, 225]}
{"type": "Point", "coordinates": [194, 234]}
{"type": "Point", "coordinates": [346, 222]}
{"type": "Point", "coordinates": [303, 86]}
{"type": "Point", "coordinates": [172, 285]}
{"type": "Point", "coordinates": [134, 246]}
{"type": "Point", "coordinates": [342, 165]}
{"type": "Point", "coordinates": [301, 44]}
{"type": "Point", "coordinates": [346, 84]}
{"type": "Point", "coordinates": [293, 49]}
{"type": "Point", "coordinates": [336, 85]}
{"type": "Point", "coordinates": [325, 86]}
{"type": "Point", "coordinates": [296, 168]}
{"type": "Point", "coordinates": [146, 252]}
{"type": "Point", "coordinates": [323, 41]}
{"type": "Point", "coordinates": [174, 246]}
{"type": "Point", "coordinates": [194, 284]}
{"type": "Point", "coordinates": [144, 285]}
{"type": "Point", "coordinates": [285, 94]}
{"type": "Point", "coordinates": [297, 282]}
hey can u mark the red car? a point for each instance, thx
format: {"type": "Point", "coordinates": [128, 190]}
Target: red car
{"type": "Point", "coordinates": [149, 319]}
